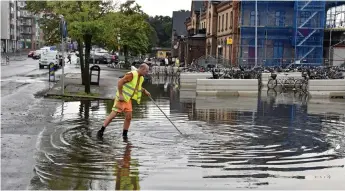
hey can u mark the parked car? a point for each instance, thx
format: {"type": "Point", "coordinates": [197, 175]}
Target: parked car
{"type": "Point", "coordinates": [37, 55]}
{"type": "Point", "coordinates": [48, 58]}
{"type": "Point", "coordinates": [31, 54]}
{"type": "Point", "coordinates": [100, 59]}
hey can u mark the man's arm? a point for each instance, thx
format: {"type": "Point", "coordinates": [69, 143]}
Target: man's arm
{"type": "Point", "coordinates": [147, 93]}
{"type": "Point", "coordinates": [127, 78]}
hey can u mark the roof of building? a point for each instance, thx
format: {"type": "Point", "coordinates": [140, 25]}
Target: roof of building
{"type": "Point", "coordinates": [198, 5]}
{"type": "Point", "coordinates": [199, 36]}
{"type": "Point", "coordinates": [178, 20]}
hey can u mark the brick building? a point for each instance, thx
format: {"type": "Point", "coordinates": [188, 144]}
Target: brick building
{"type": "Point", "coordinates": [219, 21]}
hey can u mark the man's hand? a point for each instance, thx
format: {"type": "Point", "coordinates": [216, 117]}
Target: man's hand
{"type": "Point", "coordinates": [147, 93]}
{"type": "Point", "coordinates": [121, 98]}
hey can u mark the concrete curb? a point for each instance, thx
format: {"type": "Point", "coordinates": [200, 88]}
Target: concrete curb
{"type": "Point", "coordinates": [228, 93]}
{"type": "Point", "coordinates": [76, 97]}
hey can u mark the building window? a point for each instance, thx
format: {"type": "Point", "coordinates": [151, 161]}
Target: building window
{"type": "Point", "coordinates": [209, 22]}
{"type": "Point", "coordinates": [278, 50]}
{"type": "Point", "coordinates": [231, 20]}
{"type": "Point", "coordinates": [226, 21]}
{"type": "Point", "coordinates": [218, 24]}
{"type": "Point", "coordinates": [280, 18]}
{"type": "Point", "coordinates": [252, 18]}
{"type": "Point", "coordinates": [222, 22]}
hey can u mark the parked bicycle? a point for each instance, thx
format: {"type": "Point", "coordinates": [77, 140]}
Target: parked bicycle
{"type": "Point", "coordinates": [302, 84]}
{"type": "Point", "coordinates": [285, 82]}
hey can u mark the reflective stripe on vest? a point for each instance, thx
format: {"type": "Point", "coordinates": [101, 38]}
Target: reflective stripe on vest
{"type": "Point", "coordinates": [128, 90]}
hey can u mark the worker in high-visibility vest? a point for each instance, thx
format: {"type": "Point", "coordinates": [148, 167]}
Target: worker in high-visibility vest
{"type": "Point", "coordinates": [177, 62]}
{"type": "Point", "coordinates": [129, 87]}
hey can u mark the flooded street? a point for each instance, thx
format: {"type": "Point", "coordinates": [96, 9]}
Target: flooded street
{"type": "Point", "coordinates": [238, 143]}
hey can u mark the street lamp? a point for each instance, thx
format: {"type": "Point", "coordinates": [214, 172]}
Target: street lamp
{"type": "Point", "coordinates": [118, 42]}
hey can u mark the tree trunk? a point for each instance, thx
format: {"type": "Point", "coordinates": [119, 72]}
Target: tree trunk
{"type": "Point", "coordinates": [87, 41]}
{"type": "Point", "coordinates": [81, 56]}
{"type": "Point", "coordinates": [125, 51]}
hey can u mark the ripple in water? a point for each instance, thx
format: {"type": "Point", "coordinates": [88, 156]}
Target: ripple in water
{"type": "Point", "coordinates": [222, 149]}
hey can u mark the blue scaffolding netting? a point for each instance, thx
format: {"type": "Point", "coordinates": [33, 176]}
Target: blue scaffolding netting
{"type": "Point", "coordinates": [287, 32]}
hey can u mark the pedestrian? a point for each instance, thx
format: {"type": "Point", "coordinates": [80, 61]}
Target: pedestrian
{"type": "Point", "coordinates": [69, 58]}
{"type": "Point", "coordinates": [129, 87]}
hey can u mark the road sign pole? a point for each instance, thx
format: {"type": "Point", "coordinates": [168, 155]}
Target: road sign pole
{"type": "Point", "coordinates": [62, 28]}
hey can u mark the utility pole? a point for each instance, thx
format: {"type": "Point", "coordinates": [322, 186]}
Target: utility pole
{"type": "Point", "coordinates": [63, 34]}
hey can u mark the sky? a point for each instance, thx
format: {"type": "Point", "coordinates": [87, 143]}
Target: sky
{"type": "Point", "coordinates": [163, 7]}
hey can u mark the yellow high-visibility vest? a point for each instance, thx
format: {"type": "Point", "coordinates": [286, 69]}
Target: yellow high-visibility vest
{"type": "Point", "coordinates": [129, 91]}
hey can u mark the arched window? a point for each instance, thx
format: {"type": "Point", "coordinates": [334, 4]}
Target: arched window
{"type": "Point", "coordinates": [209, 22]}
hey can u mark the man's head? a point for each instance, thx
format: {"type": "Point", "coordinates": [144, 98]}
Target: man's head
{"type": "Point", "coordinates": [143, 69]}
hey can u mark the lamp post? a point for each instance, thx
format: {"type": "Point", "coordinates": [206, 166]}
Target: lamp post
{"type": "Point", "coordinates": [118, 42]}
{"type": "Point", "coordinates": [63, 34]}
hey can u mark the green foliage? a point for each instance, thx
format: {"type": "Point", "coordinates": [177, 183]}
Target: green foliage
{"type": "Point", "coordinates": [49, 22]}
{"type": "Point", "coordinates": [130, 25]}
{"type": "Point", "coordinates": [163, 28]}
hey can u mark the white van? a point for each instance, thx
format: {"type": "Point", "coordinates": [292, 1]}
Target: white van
{"type": "Point", "coordinates": [47, 58]}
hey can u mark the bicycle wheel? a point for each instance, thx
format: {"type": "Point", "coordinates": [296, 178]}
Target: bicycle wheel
{"type": "Point", "coordinates": [298, 85]}
{"type": "Point", "coordinates": [271, 84]}
{"type": "Point", "coordinates": [288, 83]}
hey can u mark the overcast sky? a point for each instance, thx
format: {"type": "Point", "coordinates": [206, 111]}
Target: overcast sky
{"type": "Point", "coordinates": [163, 7]}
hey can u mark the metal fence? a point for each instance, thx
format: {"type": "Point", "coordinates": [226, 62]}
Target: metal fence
{"type": "Point", "coordinates": [206, 61]}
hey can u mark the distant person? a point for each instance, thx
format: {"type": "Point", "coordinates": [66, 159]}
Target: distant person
{"type": "Point", "coordinates": [166, 60]}
{"type": "Point", "coordinates": [69, 58]}
{"type": "Point", "coordinates": [177, 62]}
{"type": "Point", "coordinates": [129, 87]}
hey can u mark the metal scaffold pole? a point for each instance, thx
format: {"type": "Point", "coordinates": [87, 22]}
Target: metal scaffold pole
{"type": "Point", "coordinates": [256, 33]}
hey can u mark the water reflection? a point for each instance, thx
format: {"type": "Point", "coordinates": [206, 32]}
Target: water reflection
{"type": "Point", "coordinates": [125, 179]}
{"type": "Point", "coordinates": [232, 143]}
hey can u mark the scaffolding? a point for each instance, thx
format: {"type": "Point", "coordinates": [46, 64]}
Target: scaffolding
{"type": "Point", "coordinates": [309, 30]}
{"type": "Point", "coordinates": [287, 32]}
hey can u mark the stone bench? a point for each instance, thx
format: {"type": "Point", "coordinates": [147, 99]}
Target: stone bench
{"type": "Point", "coordinates": [227, 87]}
{"type": "Point", "coordinates": [333, 88]}
{"type": "Point", "coordinates": [188, 80]}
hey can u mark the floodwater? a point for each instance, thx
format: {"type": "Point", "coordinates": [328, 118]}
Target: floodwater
{"type": "Point", "coordinates": [238, 143]}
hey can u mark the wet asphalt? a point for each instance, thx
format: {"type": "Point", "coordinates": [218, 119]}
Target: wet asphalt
{"type": "Point", "coordinates": [237, 143]}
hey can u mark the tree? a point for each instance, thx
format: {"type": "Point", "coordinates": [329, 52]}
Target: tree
{"type": "Point", "coordinates": [49, 22]}
{"type": "Point", "coordinates": [85, 22]}
{"type": "Point", "coordinates": [130, 25]}
{"type": "Point", "coordinates": [163, 28]}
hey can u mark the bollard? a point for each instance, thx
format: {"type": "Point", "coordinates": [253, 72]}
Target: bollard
{"type": "Point", "coordinates": [51, 72]}
{"type": "Point", "coordinates": [7, 60]}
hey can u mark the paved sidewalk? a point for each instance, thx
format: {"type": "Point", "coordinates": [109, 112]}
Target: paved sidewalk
{"type": "Point", "coordinates": [74, 88]}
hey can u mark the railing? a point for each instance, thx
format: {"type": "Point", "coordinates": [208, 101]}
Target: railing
{"type": "Point", "coordinates": [285, 62]}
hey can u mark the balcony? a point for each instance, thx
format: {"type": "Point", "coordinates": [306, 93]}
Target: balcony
{"type": "Point", "coordinates": [26, 23]}
{"type": "Point", "coordinates": [25, 14]}
{"type": "Point", "coordinates": [26, 32]}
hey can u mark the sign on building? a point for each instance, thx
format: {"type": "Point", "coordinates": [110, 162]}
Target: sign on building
{"type": "Point", "coordinates": [229, 41]}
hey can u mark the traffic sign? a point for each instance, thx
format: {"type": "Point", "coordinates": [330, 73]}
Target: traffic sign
{"type": "Point", "coordinates": [63, 28]}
